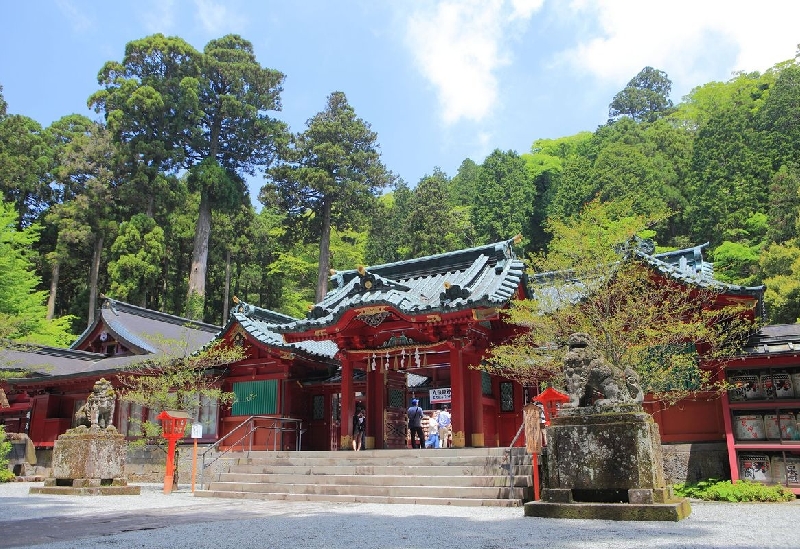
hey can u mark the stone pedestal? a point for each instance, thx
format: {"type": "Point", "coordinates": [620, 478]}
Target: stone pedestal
{"type": "Point", "coordinates": [606, 462]}
{"type": "Point", "coordinates": [88, 461]}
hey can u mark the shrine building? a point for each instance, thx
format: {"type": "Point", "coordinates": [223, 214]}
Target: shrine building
{"type": "Point", "coordinates": [381, 336]}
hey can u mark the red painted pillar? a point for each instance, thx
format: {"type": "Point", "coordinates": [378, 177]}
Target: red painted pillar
{"type": "Point", "coordinates": [476, 407]}
{"type": "Point", "coordinates": [458, 395]}
{"type": "Point", "coordinates": [376, 402]}
{"type": "Point", "coordinates": [347, 405]}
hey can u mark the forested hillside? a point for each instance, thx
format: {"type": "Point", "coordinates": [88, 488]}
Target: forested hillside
{"type": "Point", "coordinates": [148, 203]}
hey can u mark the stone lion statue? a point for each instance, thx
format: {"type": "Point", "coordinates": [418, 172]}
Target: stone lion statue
{"type": "Point", "coordinates": [592, 381]}
{"type": "Point", "coordinates": [99, 407]}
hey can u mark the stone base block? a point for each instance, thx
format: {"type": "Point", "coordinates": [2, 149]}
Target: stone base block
{"type": "Point", "coordinates": [671, 512]}
{"type": "Point", "coordinates": [88, 490]}
{"type": "Point", "coordinates": [85, 482]}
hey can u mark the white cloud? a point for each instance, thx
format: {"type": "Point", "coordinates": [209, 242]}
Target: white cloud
{"type": "Point", "coordinates": [459, 46]}
{"type": "Point", "coordinates": [158, 16]}
{"type": "Point", "coordinates": [216, 18]}
{"type": "Point", "coordinates": [693, 41]}
{"type": "Point", "coordinates": [79, 21]}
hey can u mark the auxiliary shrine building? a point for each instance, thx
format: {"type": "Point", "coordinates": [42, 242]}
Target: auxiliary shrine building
{"type": "Point", "coordinates": [382, 336]}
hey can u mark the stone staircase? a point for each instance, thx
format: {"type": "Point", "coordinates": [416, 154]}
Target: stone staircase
{"type": "Point", "coordinates": [463, 476]}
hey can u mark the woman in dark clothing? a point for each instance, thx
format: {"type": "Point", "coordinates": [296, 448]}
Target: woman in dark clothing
{"type": "Point", "coordinates": [359, 429]}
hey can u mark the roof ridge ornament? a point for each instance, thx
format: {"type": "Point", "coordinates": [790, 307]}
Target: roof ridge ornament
{"type": "Point", "coordinates": [453, 291]}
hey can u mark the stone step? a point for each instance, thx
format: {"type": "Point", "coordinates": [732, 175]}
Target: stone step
{"type": "Point", "coordinates": [384, 479]}
{"type": "Point", "coordinates": [463, 476]}
{"type": "Point", "coordinates": [469, 492]}
{"type": "Point", "coordinates": [353, 498]}
{"type": "Point", "coordinates": [368, 469]}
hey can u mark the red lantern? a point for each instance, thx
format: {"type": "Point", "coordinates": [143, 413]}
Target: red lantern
{"type": "Point", "coordinates": [551, 401]}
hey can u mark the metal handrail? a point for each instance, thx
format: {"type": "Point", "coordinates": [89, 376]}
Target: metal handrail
{"type": "Point", "coordinates": [278, 425]}
{"type": "Point", "coordinates": [510, 454]}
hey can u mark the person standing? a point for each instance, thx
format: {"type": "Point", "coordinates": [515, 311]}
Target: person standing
{"type": "Point", "coordinates": [359, 429]}
{"type": "Point", "coordinates": [432, 426]}
{"type": "Point", "coordinates": [444, 420]}
{"type": "Point", "coordinates": [415, 424]}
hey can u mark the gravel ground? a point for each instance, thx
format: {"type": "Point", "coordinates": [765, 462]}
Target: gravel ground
{"type": "Point", "coordinates": [178, 520]}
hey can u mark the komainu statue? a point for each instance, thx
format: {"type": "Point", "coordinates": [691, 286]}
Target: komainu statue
{"type": "Point", "coordinates": [592, 381]}
{"type": "Point", "coordinates": [99, 407]}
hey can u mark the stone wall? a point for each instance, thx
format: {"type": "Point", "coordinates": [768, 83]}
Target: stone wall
{"type": "Point", "coordinates": [696, 461]}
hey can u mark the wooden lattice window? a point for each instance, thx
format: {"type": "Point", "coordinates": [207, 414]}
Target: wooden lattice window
{"type": "Point", "coordinates": [396, 398]}
{"type": "Point", "coordinates": [506, 396]}
{"type": "Point", "coordinates": [318, 407]}
{"type": "Point", "coordinates": [486, 383]}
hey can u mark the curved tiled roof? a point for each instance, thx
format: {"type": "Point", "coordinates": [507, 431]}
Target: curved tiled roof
{"type": "Point", "coordinates": [486, 276]}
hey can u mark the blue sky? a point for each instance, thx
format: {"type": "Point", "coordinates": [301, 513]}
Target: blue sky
{"type": "Point", "coordinates": [439, 81]}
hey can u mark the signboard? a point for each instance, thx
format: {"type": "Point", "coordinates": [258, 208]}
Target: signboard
{"type": "Point", "coordinates": [197, 430]}
{"type": "Point", "coordinates": [440, 395]}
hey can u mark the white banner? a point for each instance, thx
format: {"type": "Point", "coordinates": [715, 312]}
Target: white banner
{"type": "Point", "coordinates": [440, 395]}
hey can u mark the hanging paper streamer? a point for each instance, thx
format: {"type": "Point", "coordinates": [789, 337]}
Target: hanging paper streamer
{"type": "Point", "coordinates": [403, 359]}
{"type": "Point", "coordinates": [386, 362]}
{"type": "Point", "coordinates": [373, 362]}
{"type": "Point", "coordinates": [416, 357]}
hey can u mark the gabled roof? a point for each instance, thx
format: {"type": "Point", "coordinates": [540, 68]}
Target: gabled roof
{"type": "Point", "coordinates": [40, 360]}
{"type": "Point", "coordinates": [144, 331]}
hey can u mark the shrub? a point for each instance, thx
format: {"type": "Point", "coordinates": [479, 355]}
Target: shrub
{"type": "Point", "coordinates": [5, 448]}
{"type": "Point", "coordinates": [724, 490]}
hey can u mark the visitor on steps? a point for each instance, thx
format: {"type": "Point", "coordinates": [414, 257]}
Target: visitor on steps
{"type": "Point", "coordinates": [359, 429]}
{"type": "Point", "coordinates": [433, 432]}
{"type": "Point", "coordinates": [444, 420]}
{"type": "Point", "coordinates": [415, 424]}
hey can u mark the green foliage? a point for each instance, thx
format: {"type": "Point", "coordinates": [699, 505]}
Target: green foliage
{"type": "Point", "coordinates": [5, 447]}
{"type": "Point", "coordinates": [26, 159]}
{"type": "Point", "coordinates": [336, 172]}
{"type": "Point", "coordinates": [139, 250]}
{"type": "Point", "coordinates": [780, 268]}
{"type": "Point", "coordinates": [644, 98]}
{"type": "Point", "coordinates": [741, 491]}
{"type": "Point", "coordinates": [23, 313]}
{"type": "Point", "coordinates": [504, 198]}
{"type": "Point", "coordinates": [178, 380]}
{"type": "Point", "coordinates": [591, 281]}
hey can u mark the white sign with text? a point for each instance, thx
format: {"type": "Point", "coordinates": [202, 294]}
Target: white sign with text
{"type": "Point", "coordinates": [440, 395]}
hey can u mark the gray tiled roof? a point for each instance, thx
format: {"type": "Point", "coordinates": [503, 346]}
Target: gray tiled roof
{"type": "Point", "coordinates": [686, 265]}
{"type": "Point", "coordinates": [145, 331]}
{"type": "Point", "coordinates": [48, 362]}
{"type": "Point", "coordinates": [774, 340]}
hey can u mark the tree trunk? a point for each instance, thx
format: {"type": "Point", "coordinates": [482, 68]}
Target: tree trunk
{"type": "Point", "coordinates": [51, 300]}
{"type": "Point", "coordinates": [197, 276]}
{"type": "Point", "coordinates": [94, 274]}
{"type": "Point", "coordinates": [324, 252]}
{"type": "Point", "coordinates": [227, 292]}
